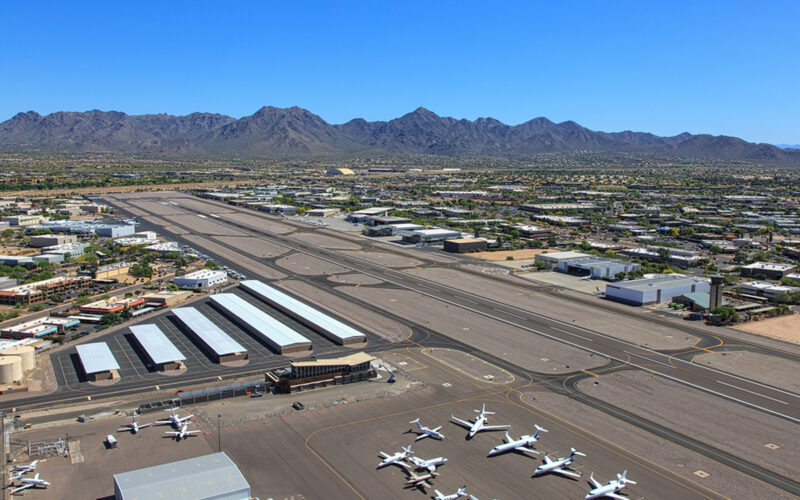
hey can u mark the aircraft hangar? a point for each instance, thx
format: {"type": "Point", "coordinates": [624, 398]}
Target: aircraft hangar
{"type": "Point", "coordinates": [97, 361]}
{"type": "Point", "coordinates": [162, 352]}
{"type": "Point", "coordinates": [330, 327]}
{"type": "Point", "coordinates": [217, 343]}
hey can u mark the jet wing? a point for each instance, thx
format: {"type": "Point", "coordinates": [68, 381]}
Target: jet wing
{"type": "Point", "coordinates": [172, 433]}
{"type": "Point", "coordinates": [566, 472]}
{"type": "Point", "coordinates": [142, 426]}
{"type": "Point", "coordinates": [164, 422]}
{"type": "Point", "coordinates": [494, 427]}
{"type": "Point", "coordinates": [193, 432]}
{"type": "Point", "coordinates": [616, 497]}
{"type": "Point", "coordinates": [384, 455]}
{"type": "Point", "coordinates": [126, 428]}
{"type": "Point", "coordinates": [594, 482]}
{"type": "Point", "coordinates": [526, 449]}
{"type": "Point", "coordinates": [547, 460]}
{"type": "Point", "coordinates": [23, 487]}
{"type": "Point", "coordinates": [421, 436]}
{"type": "Point", "coordinates": [464, 423]}
{"type": "Point", "coordinates": [183, 419]}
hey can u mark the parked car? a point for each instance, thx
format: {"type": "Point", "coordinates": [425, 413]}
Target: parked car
{"type": "Point", "coordinates": [297, 405]}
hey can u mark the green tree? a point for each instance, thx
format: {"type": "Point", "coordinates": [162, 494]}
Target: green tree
{"type": "Point", "coordinates": [726, 314]}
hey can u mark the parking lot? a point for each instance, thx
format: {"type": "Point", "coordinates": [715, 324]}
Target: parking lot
{"type": "Point", "coordinates": [135, 366]}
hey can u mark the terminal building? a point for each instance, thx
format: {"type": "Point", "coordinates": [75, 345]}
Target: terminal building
{"type": "Point", "coordinates": [208, 477]}
{"type": "Point", "coordinates": [306, 375]}
{"type": "Point", "coordinates": [98, 362]}
{"type": "Point", "coordinates": [158, 348]}
{"type": "Point", "coordinates": [315, 319]}
{"type": "Point", "coordinates": [278, 336]}
{"type": "Point", "coordinates": [656, 290]}
{"type": "Point", "coordinates": [203, 278]}
{"type": "Point", "coordinates": [216, 343]}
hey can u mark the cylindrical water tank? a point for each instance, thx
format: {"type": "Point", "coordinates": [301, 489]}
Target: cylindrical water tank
{"type": "Point", "coordinates": [26, 352]}
{"type": "Point", "coordinates": [10, 369]}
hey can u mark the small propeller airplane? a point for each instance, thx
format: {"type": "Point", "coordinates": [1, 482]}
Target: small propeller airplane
{"type": "Point", "coordinates": [183, 433]}
{"type": "Point", "coordinates": [560, 466]}
{"type": "Point", "coordinates": [480, 422]}
{"type": "Point", "coordinates": [29, 482]}
{"type": "Point", "coordinates": [427, 431]}
{"type": "Point", "coordinates": [430, 465]}
{"type": "Point", "coordinates": [396, 459]}
{"type": "Point", "coordinates": [522, 444]}
{"type": "Point", "coordinates": [24, 469]}
{"type": "Point", "coordinates": [420, 481]}
{"type": "Point", "coordinates": [134, 426]}
{"type": "Point", "coordinates": [174, 419]}
{"type": "Point", "coordinates": [610, 489]}
{"type": "Point", "coordinates": [462, 492]}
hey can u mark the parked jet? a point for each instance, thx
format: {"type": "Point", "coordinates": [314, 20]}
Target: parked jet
{"type": "Point", "coordinates": [462, 492]}
{"type": "Point", "coordinates": [24, 469]}
{"type": "Point", "coordinates": [522, 444]}
{"type": "Point", "coordinates": [431, 464]}
{"type": "Point", "coordinates": [480, 422]}
{"type": "Point", "coordinates": [427, 431]}
{"type": "Point", "coordinates": [420, 481]}
{"type": "Point", "coordinates": [560, 466]}
{"type": "Point", "coordinates": [183, 433]}
{"type": "Point", "coordinates": [134, 426]}
{"type": "Point", "coordinates": [396, 459]}
{"type": "Point", "coordinates": [174, 419]}
{"type": "Point", "coordinates": [29, 482]}
{"type": "Point", "coordinates": [610, 489]}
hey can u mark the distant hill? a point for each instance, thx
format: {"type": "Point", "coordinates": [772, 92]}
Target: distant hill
{"type": "Point", "coordinates": [296, 132]}
{"type": "Point", "coordinates": [788, 146]}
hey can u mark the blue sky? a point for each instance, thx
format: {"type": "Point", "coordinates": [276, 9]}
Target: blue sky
{"type": "Point", "coordinates": [722, 67]}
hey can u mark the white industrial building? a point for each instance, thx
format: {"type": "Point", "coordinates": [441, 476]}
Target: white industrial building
{"type": "Point", "coordinates": [207, 477]}
{"type": "Point", "coordinates": [582, 264]}
{"type": "Point", "coordinates": [657, 289]}
{"type": "Point", "coordinates": [203, 278]}
{"type": "Point", "coordinates": [97, 361]}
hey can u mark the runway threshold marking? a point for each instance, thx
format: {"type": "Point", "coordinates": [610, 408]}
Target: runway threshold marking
{"type": "Point", "coordinates": [751, 392]}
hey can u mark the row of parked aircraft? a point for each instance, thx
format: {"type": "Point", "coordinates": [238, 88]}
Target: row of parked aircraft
{"type": "Point", "coordinates": [560, 466]}
{"type": "Point", "coordinates": [181, 425]}
{"type": "Point", "coordinates": [18, 472]}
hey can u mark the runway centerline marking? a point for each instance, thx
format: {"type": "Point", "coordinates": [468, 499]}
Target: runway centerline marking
{"type": "Point", "coordinates": [751, 392]}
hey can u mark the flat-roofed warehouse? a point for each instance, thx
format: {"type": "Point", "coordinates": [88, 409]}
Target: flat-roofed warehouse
{"type": "Point", "coordinates": [218, 344]}
{"type": "Point", "coordinates": [658, 289]}
{"type": "Point", "coordinates": [97, 361]}
{"type": "Point", "coordinates": [330, 327]}
{"type": "Point", "coordinates": [162, 352]}
{"type": "Point", "coordinates": [208, 477]}
{"type": "Point", "coordinates": [272, 332]}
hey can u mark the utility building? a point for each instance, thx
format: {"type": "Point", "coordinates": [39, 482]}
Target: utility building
{"type": "Point", "coordinates": [209, 477]}
{"type": "Point", "coordinates": [658, 289]}
{"type": "Point", "coordinates": [269, 330]}
{"type": "Point", "coordinates": [217, 343]}
{"type": "Point", "coordinates": [330, 327]}
{"type": "Point", "coordinates": [161, 351]}
{"type": "Point", "coordinates": [97, 361]}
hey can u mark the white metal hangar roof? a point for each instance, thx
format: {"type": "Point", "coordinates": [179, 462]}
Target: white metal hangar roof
{"type": "Point", "coordinates": [331, 326]}
{"type": "Point", "coordinates": [158, 346]}
{"type": "Point", "coordinates": [96, 357]}
{"type": "Point", "coordinates": [213, 476]}
{"type": "Point", "coordinates": [217, 340]}
{"type": "Point", "coordinates": [275, 333]}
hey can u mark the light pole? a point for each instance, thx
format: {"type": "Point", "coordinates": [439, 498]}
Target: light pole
{"type": "Point", "coordinates": [219, 433]}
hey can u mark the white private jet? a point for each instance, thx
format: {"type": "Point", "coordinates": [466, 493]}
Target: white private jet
{"type": "Point", "coordinates": [174, 419]}
{"type": "Point", "coordinates": [462, 492]}
{"type": "Point", "coordinates": [430, 465]}
{"type": "Point", "coordinates": [396, 459]}
{"type": "Point", "coordinates": [134, 426]}
{"type": "Point", "coordinates": [480, 422]}
{"type": "Point", "coordinates": [29, 482]}
{"type": "Point", "coordinates": [522, 444]}
{"type": "Point", "coordinates": [420, 481]}
{"type": "Point", "coordinates": [560, 466]}
{"type": "Point", "coordinates": [183, 433]}
{"type": "Point", "coordinates": [427, 431]}
{"type": "Point", "coordinates": [610, 489]}
{"type": "Point", "coordinates": [24, 469]}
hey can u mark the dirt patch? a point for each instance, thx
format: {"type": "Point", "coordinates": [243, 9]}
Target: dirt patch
{"type": "Point", "coordinates": [527, 253]}
{"type": "Point", "coordinates": [256, 247]}
{"type": "Point", "coordinates": [307, 265]}
{"type": "Point", "coordinates": [786, 328]}
{"type": "Point", "coordinates": [325, 241]}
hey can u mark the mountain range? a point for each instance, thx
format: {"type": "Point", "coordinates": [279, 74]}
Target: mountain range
{"type": "Point", "coordinates": [296, 132]}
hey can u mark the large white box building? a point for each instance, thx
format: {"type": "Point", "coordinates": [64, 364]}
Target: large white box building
{"type": "Point", "coordinates": [657, 289]}
{"type": "Point", "coordinates": [201, 279]}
